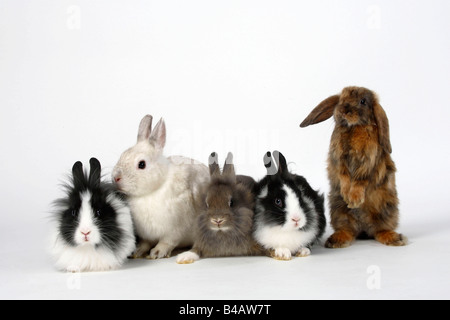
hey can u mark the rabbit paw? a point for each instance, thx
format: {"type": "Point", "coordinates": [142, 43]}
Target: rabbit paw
{"type": "Point", "coordinates": [187, 257]}
{"type": "Point", "coordinates": [356, 197]}
{"type": "Point", "coordinates": [73, 269]}
{"type": "Point", "coordinates": [161, 251]}
{"type": "Point", "coordinates": [340, 239]}
{"type": "Point", "coordinates": [282, 254]}
{"type": "Point", "coordinates": [303, 252]}
{"type": "Point", "coordinates": [141, 251]}
{"type": "Point", "coordinates": [345, 187]}
{"type": "Point", "coordinates": [391, 238]}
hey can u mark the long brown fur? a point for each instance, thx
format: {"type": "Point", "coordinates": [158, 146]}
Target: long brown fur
{"type": "Point", "coordinates": [363, 197]}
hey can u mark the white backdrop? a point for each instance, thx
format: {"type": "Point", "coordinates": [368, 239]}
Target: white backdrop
{"type": "Point", "coordinates": [77, 76]}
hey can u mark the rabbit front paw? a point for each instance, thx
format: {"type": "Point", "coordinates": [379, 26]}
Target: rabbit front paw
{"type": "Point", "coordinates": [162, 250]}
{"type": "Point", "coordinates": [303, 252]}
{"type": "Point", "coordinates": [356, 197]}
{"type": "Point", "coordinates": [282, 254]}
{"type": "Point", "coordinates": [142, 250]}
{"type": "Point", "coordinates": [187, 257]}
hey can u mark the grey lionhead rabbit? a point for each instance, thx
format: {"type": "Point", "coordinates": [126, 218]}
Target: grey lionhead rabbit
{"type": "Point", "coordinates": [224, 227]}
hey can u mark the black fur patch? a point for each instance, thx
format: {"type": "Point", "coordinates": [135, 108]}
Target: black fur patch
{"type": "Point", "coordinates": [270, 214]}
{"type": "Point", "coordinates": [104, 215]}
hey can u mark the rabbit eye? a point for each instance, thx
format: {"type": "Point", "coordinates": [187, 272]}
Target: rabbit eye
{"type": "Point", "coordinates": [278, 202]}
{"type": "Point", "coordinates": [142, 165]}
{"type": "Point", "coordinates": [363, 102]}
{"type": "Point", "coordinates": [98, 212]}
{"type": "Point", "coordinates": [231, 203]}
{"type": "Point", "coordinates": [74, 213]}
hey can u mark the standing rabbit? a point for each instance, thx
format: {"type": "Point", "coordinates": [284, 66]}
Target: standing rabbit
{"type": "Point", "coordinates": [224, 227]}
{"type": "Point", "coordinates": [161, 192]}
{"type": "Point", "coordinates": [363, 196]}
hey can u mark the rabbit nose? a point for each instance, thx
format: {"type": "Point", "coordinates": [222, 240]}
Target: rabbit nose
{"type": "Point", "coordinates": [217, 221]}
{"type": "Point", "coordinates": [86, 232]}
{"type": "Point", "coordinates": [117, 175]}
{"type": "Point", "coordinates": [296, 219]}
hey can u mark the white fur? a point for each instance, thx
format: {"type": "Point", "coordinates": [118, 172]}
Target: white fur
{"type": "Point", "coordinates": [272, 237]}
{"type": "Point", "coordinates": [293, 210]}
{"type": "Point", "coordinates": [287, 237]}
{"type": "Point", "coordinates": [304, 252]}
{"type": "Point", "coordinates": [187, 257]}
{"type": "Point", "coordinates": [264, 192]}
{"type": "Point", "coordinates": [162, 197]}
{"type": "Point", "coordinates": [283, 254]}
{"type": "Point", "coordinates": [86, 224]}
{"type": "Point", "coordinates": [166, 216]}
{"type": "Point", "coordinates": [92, 255]}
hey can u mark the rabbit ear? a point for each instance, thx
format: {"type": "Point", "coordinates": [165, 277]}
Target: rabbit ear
{"type": "Point", "coordinates": [322, 112]}
{"type": "Point", "coordinates": [79, 180]}
{"type": "Point", "coordinates": [281, 163]}
{"type": "Point", "coordinates": [228, 168]}
{"type": "Point", "coordinates": [214, 169]}
{"type": "Point", "coordinates": [269, 164]}
{"type": "Point", "coordinates": [145, 128]}
{"type": "Point", "coordinates": [383, 127]}
{"type": "Point", "coordinates": [158, 135]}
{"type": "Point", "coordinates": [95, 173]}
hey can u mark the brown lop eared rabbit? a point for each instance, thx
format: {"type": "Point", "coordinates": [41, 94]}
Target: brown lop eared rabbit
{"type": "Point", "coordinates": [363, 197]}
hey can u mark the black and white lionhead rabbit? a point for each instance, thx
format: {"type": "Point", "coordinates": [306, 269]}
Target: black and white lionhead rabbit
{"type": "Point", "coordinates": [94, 229]}
{"type": "Point", "coordinates": [289, 216]}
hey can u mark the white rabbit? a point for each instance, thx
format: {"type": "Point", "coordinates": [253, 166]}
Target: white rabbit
{"type": "Point", "coordinates": [162, 192]}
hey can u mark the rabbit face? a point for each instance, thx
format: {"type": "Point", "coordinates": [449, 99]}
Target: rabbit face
{"type": "Point", "coordinates": [86, 231]}
{"type": "Point", "coordinates": [220, 205]}
{"type": "Point", "coordinates": [281, 203]}
{"type": "Point", "coordinates": [355, 107]}
{"type": "Point", "coordinates": [140, 170]}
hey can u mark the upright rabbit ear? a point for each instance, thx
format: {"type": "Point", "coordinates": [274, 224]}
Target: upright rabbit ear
{"type": "Point", "coordinates": [95, 173]}
{"type": "Point", "coordinates": [383, 127]}
{"type": "Point", "coordinates": [269, 164]}
{"type": "Point", "coordinates": [214, 169]}
{"type": "Point", "coordinates": [322, 112]}
{"type": "Point", "coordinates": [281, 163]}
{"type": "Point", "coordinates": [228, 168]}
{"type": "Point", "coordinates": [158, 135]}
{"type": "Point", "coordinates": [79, 179]}
{"type": "Point", "coordinates": [145, 128]}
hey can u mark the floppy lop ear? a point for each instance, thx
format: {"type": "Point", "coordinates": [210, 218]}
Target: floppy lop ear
{"type": "Point", "coordinates": [383, 127]}
{"type": "Point", "coordinates": [322, 112]}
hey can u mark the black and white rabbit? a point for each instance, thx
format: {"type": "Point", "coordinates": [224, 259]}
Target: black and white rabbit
{"type": "Point", "coordinates": [94, 229]}
{"type": "Point", "coordinates": [289, 215]}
